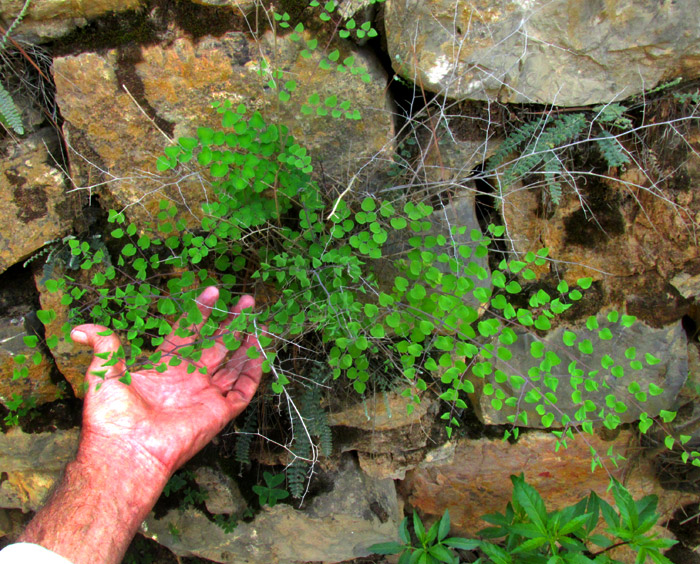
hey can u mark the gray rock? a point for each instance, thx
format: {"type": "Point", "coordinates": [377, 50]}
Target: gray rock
{"type": "Point", "coordinates": [223, 495]}
{"type": "Point", "coordinates": [542, 51]}
{"type": "Point", "coordinates": [336, 526]}
{"type": "Point", "coordinates": [667, 344]}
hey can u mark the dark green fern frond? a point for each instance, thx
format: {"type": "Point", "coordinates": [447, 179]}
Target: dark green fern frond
{"type": "Point", "coordinates": [513, 142]}
{"type": "Point", "coordinates": [553, 169]}
{"type": "Point", "coordinates": [245, 437]}
{"type": "Point", "coordinates": [613, 152]}
{"type": "Point", "coordinates": [538, 143]}
{"type": "Point", "coordinates": [9, 114]}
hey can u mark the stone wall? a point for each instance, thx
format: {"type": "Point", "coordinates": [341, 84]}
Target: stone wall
{"type": "Point", "coordinates": [129, 77]}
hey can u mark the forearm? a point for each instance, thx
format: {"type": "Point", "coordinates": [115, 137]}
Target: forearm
{"type": "Point", "coordinates": [98, 506]}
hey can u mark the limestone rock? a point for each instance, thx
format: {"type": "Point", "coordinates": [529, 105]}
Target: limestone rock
{"type": "Point", "coordinates": [387, 439]}
{"type": "Point", "coordinates": [37, 385]}
{"type": "Point", "coordinates": [32, 464]}
{"type": "Point", "coordinates": [223, 495]}
{"type": "Point", "coordinates": [175, 84]}
{"type": "Point", "coordinates": [542, 51]}
{"type": "Point", "coordinates": [667, 344]}
{"type": "Point", "coordinates": [50, 19]}
{"type": "Point", "coordinates": [33, 201]}
{"type": "Point", "coordinates": [380, 412]}
{"type": "Point", "coordinates": [688, 285]}
{"type": "Point", "coordinates": [365, 510]}
{"type": "Point", "coordinates": [475, 481]}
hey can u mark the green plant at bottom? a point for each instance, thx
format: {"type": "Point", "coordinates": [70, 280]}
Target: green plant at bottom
{"type": "Point", "coordinates": [532, 535]}
{"type": "Point", "coordinates": [270, 494]}
{"type": "Point", "coordinates": [433, 545]}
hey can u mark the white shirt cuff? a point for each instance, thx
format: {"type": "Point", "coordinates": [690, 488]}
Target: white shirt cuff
{"type": "Point", "coordinates": [26, 552]}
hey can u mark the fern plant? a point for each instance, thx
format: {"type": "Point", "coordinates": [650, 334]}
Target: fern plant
{"type": "Point", "coordinates": [9, 113]}
{"type": "Point", "coordinates": [308, 423]}
{"type": "Point", "coordinates": [539, 146]}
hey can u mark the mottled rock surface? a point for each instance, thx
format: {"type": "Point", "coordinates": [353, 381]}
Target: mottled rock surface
{"type": "Point", "coordinates": [475, 480]}
{"type": "Point", "coordinates": [175, 84]}
{"type": "Point", "coordinates": [50, 19]}
{"type": "Point", "coordinates": [668, 344]}
{"type": "Point", "coordinates": [32, 463]}
{"type": "Point", "coordinates": [223, 495]}
{"type": "Point", "coordinates": [34, 205]}
{"type": "Point", "coordinates": [335, 526]}
{"type": "Point", "coordinates": [542, 51]}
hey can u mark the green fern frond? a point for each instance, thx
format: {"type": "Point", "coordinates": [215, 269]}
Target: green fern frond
{"type": "Point", "coordinates": [14, 24]}
{"type": "Point", "coordinates": [245, 438]}
{"type": "Point", "coordinates": [9, 114]}
{"type": "Point", "coordinates": [613, 152]}
{"type": "Point", "coordinates": [513, 142]}
{"type": "Point", "coordinates": [553, 170]}
{"type": "Point", "coordinates": [543, 138]}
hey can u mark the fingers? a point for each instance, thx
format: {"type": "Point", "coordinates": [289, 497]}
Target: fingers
{"type": "Point", "coordinates": [106, 346]}
{"type": "Point", "coordinates": [240, 378]}
{"type": "Point", "coordinates": [205, 304]}
{"type": "Point", "coordinates": [214, 356]}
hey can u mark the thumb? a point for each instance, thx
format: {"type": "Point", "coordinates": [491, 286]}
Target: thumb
{"type": "Point", "coordinates": [106, 363]}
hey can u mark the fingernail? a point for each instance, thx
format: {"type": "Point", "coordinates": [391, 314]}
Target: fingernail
{"type": "Point", "coordinates": [78, 335]}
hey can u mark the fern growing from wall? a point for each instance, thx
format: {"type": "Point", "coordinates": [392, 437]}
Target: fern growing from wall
{"type": "Point", "coordinates": [538, 146]}
{"type": "Point", "coordinates": [309, 422]}
{"type": "Point", "coordinates": [9, 113]}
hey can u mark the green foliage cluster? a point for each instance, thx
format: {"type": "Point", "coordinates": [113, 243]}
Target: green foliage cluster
{"type": "Point", "coordinates": [18, 406]}
{"type": "Point", "coordinates": [540, 145]}
{"type": "Point", "coordinates": [184, 485]}
{"type": "Point", "coordinates": [267, 222]}
{"type": "Point", "coordinates": [531, 534]}
{"type": "Point", "coordinates": [442, 322]}
{"type": "Point", "coordinates": [9, 113]}
{"type": "Point", "coordinates": [270, 493]}
{"type": "Point", "coordinates": [433, 545]}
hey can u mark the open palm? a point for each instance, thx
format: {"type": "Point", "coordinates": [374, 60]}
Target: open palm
{"type": "Point", "coordinates": [168, 416]}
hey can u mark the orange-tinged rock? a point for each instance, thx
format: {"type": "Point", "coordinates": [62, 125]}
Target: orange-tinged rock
{"type": "Point", "coordinates": [37, 385]}
{"type": "Point", "coordinates": [147, 93]}
{"type": "Point", "coordinates": [475, 480]}
{"type": "Point", "coordinates": [31, 464]}
{"type": "Point", "coordinates": [34, 205]}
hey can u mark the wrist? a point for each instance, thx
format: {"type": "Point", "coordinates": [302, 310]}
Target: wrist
{"type": "Point", "coordinates": [123, 461]}
{"type": "Point", "coordinates": [105, 494]}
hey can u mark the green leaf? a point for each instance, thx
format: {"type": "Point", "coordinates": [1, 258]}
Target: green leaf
{"type": "Point", "coordinates": [531, 502]}
{"type": "Point", "coordinates": [46, 316]}
{"type": "Point", "coordinates": [444, 527]}
{"type": "Point", "coordinates": [386, 548]}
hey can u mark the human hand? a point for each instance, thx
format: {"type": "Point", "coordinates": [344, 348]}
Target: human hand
{"type": "Point", "coordinates": [160, 420]}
